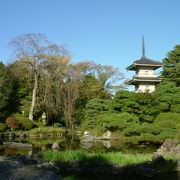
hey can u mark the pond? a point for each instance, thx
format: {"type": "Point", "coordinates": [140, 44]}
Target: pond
{"type": "Point", "coordinates": [74, 143]}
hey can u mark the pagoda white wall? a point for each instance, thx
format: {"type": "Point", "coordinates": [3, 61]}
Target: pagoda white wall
{"type": "Point", "coordinates": [146, 88]}
{"type": "Point", "coordinates": [145, 72]}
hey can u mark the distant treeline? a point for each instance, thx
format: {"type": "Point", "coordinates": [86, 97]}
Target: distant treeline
{"type": "Point", "coordinates": [42, 80]}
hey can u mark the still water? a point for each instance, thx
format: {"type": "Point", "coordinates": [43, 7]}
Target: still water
{"type": "Point", "coordinates": [73, 143]}
{"type": "Point", "coordinates": [40, 144]}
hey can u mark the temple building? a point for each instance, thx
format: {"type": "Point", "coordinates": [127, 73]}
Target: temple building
{"type": "Point", "coordinates": [145, 79]}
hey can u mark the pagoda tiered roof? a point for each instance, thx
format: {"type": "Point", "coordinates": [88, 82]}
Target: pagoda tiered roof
{"type": "Point", "coordinates": [136, 79]}
{"type": "Point", "coordinates": [145, 77]}
{"type": "Point", "coordinates": [144, 61]}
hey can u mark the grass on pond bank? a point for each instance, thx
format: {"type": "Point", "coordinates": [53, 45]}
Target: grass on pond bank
{"type": "Point", "coordinates": [47, 130]}
{"type": "Point", "coordinates": [114, 157]}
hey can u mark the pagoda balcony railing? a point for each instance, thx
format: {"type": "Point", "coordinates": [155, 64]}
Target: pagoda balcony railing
{"type": "Point", "coordinates": [146, 75]}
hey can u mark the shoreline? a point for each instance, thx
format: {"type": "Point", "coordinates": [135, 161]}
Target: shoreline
{"type": "Point", "coordinates": [28, 167]}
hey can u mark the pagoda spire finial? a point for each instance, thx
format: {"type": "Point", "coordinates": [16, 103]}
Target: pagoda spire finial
{"type": "Point", "coordinates": [143, 47]}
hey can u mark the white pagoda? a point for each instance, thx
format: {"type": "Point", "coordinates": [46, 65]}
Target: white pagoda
{"type": "Point", "coordinates": [145, 79]}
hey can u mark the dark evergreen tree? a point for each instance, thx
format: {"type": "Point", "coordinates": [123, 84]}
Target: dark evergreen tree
{"type": "Point", "coordinates": [168, 97]}
{"type": "Point", "coordinates": [8, 92]}
{"type": "Point", "coordinates": [171, 68]}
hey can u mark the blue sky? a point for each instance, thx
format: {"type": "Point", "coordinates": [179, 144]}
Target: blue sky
{"type": "Point", "coordinates": [108, 32]}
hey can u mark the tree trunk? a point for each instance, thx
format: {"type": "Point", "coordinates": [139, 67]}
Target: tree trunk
{"type": "Point", "coordinates": [68, 107]}
{"type": "Point", "coordinates": [33, 97]}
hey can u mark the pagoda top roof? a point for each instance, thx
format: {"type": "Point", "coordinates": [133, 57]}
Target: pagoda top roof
{"type": "Point", "coordinates": [144, 61]}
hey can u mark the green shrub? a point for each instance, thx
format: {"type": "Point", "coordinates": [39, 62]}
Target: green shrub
{"type": "Point", "coordinates": [57, 125]}
{"type": "Point", "coordinates": [148, 137]}
{"type": "Point", "coordinates": [178, 132]}
{"type": "Point", "coordinates": [116, 121]}
{"type": "Point", "coordinates": [110, 121]}
{"type": "Point", "coordinates": [135, 129]}
{"type": "Point", "coordinates": [132, 129]}
{"type": "Point", "coordinates": [165, 126]}
{"type": "Point", "coordinates": [167, 133]}
{"type": "Point", "coordinates": [169, 124]}
{"type": "Point", "coordinates": [3, 127]}
{"type": "Point", "coordinates": [174, 117]}
{"type": "Point", "coordinates": [93, 109]}
{"type": "Point", "coordinates": [13, 123]}
{"type": "Point", "coordinates": [26, 124]}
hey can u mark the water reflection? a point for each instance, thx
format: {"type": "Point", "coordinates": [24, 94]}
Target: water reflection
{"type": "Point", "coordinates": [73, 143]}
{"type": "Point", "coordinates": [63, 143]}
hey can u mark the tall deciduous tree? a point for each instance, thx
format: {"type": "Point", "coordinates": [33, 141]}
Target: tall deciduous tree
{"type": "Point", "coordinates": [97, 81]}
{"type": "Point", "coordinates": [33, 50]}
{"type": "Point", "coordinates": [30, 49]}
{"type": "Point", "coordinates": [53, 73]}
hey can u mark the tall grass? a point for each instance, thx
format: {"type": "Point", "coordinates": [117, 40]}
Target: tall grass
{"type": "Point", "coordinates": [47, 130]}
{"type": "Point", "coordinates": [125, 159]}
{"type": "Point", "coordinates": [64, 155]}
{"type": "Point", "coordinates": [115, 157]}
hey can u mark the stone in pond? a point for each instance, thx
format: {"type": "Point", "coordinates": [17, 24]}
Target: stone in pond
{"type": "Point", "coordinates": [107, 135]}
{"type": "Point", "coordinates": [55, 146]}
{"type": "Point", "coordinates": [86, 145]}
{"type": "Point", "coordinates": [107, 144]}
{"type": "Point", "coordinates": [87, 138]}
{"type": "Point", "coordinates": [87, 133]}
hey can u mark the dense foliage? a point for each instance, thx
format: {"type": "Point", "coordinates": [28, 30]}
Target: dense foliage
{"type": "Point", "coordinates": [141, 117]}
{"type": "Point", "coordinates": [84, 95]}
{"type": "Point", "coordinates": [171, 69]}
{"type": "Point", "coordinates": [25, 123]}
{"type": "Point", "coordinates": [3, 127]}
{"type": "Point", "coordinates": [13, 123]}
{"type": "Point", "coordinates": [8, 92]}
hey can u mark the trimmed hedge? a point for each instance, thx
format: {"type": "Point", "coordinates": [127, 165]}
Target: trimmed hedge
{"type": "Point", "coordinates": [165, 126]}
